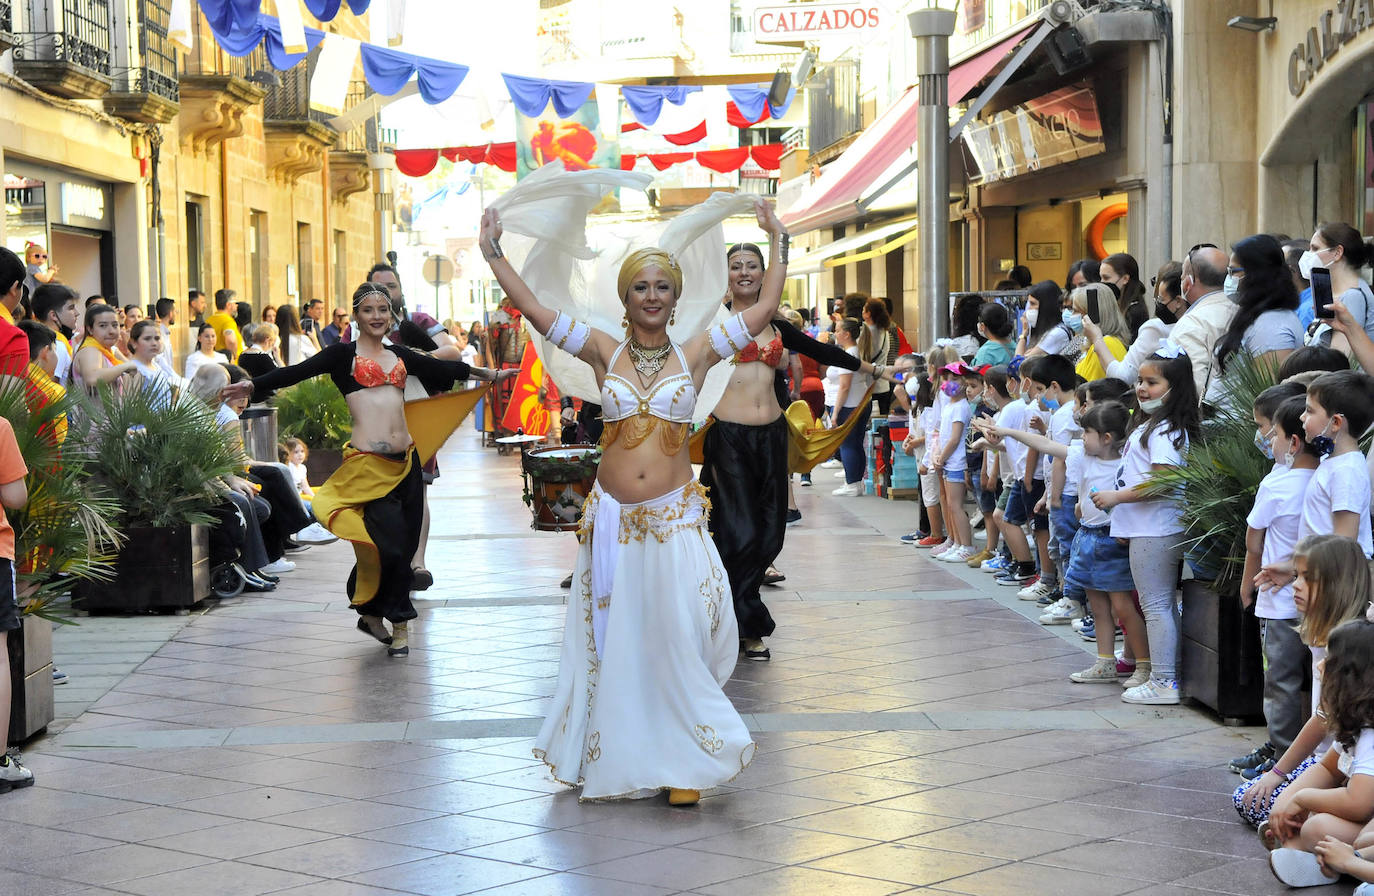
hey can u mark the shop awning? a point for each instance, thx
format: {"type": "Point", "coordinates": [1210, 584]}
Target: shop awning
{"type": "Point", "coordinates": [882, 248]}
{"type": "Point", "coordinates": [849, 185]}
{"type": "Point", "coordinates": [963, 78]}
{"type": "Point", "coordinates": [814, 262]}
{"type": "Point", "coordinates": [834, 196]}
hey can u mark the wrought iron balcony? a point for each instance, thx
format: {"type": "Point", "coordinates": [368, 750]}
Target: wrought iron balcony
{"type": "Point", "coordinates": [6, 25]}
{"type": "Point", "coordinates": [833, 105]}
{"type": "Point", "coordinates": [71, 58]}
{"type": "Point", "coordinates": [150, 92]}
{"type": "Point", "coordinates": [297, 136]}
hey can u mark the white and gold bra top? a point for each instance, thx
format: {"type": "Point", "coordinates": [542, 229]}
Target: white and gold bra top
{"type": "Point", "coordinates": [631, 415]}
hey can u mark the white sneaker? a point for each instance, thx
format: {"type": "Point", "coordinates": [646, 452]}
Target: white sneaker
{"type": "Point", "coordinates": [839, 474]}
{"type": "Point", "coordinates": [959, 554]}
{"type": "Point", "coordinates": [13, 775]}
{"type": "Point", "coordinates": [832, 464]}
{"type": "Point", "coordinates": [939, 550]}
{"type": "Point", "coordinates": [277, 567]}
{"type": "Point", "coordinates": [1035, 591]}
{"type": "Point", "coordinates": [1079, 623]}
{"type": "Point", "coordinates": [315, 534]}
{"type": "Point", "coordinates": [1062, 612]}
{"type": "Point", "coordinates": [1155, 692]}
{"type": "Point", "coordinates": [847, 491]}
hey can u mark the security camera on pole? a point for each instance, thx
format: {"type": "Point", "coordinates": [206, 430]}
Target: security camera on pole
{"type": "Point", "coordinates": [932, 28]}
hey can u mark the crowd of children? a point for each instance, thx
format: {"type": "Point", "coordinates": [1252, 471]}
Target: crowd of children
{"type": "Point", "coordinates": [1061, 471]}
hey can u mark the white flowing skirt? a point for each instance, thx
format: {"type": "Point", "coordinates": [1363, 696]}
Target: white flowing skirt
{"type": "Point", "coordinates": [646, 711]}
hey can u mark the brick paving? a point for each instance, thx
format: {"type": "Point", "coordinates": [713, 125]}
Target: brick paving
{"type": "Point", "coordinates": [917, 733]}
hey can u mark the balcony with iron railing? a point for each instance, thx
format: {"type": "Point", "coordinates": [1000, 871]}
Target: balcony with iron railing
{"type": "Point", "coordinates": [297, 136]}
{"type": "Point", "coordinates": [66, 50]}
{"type": "Point", "coordinates": [833, 108]}
{"type": "Point", "coordinates": [148, 91]}
{"type": "Point", "coordinates": [217, 89]}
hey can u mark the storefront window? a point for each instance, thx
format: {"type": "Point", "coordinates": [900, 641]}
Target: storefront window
{"type": "Point", "coordinates": [26, 216]}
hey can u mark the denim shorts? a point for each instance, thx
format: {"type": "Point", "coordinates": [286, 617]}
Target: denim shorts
{"type": "Point", "coordinates": [988, 497]}
{"type": "Point", "coordinates": [1099, 561]}
{"type": "Point", "coordinates": [1021, 506]}
{"type": "Point", "coordinates": [1064, 525]}
{"type": "Point", "coordinates": [955, 476]}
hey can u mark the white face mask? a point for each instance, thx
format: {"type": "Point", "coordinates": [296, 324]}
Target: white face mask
{"type": "Point", "coordinates": [1032, 315]}
{"type": "Point", "coordinates": [1309, 260]}
{"type": "Point", "coordinates": [1231, 286]}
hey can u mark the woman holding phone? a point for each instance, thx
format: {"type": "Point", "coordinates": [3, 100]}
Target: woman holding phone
{"type": "Point", "coordinates": [1340, 249]}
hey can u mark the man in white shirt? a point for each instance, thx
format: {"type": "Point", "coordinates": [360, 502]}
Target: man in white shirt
{"type": "Point", "coordinates": [1208, 316]}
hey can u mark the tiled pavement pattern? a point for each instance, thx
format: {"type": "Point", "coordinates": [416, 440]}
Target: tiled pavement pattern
{"type": "Point", "coordinates": [916, 732]}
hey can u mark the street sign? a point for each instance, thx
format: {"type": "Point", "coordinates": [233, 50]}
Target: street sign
{"type": "Point", "coordinates": [437, 270]}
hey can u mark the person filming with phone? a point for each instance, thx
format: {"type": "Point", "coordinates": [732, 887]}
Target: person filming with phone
{"type": "Point", "coordinates": [1332, 266]}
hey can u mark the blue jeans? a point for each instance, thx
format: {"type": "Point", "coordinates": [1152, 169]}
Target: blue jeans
{"type": "Point", "coordinates": [852, 448]}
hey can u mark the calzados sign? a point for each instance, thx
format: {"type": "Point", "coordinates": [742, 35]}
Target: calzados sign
{"type": "Point", "coordinates": [1334, 27]}
{"type": "Point", "coordinates": [814, 21]}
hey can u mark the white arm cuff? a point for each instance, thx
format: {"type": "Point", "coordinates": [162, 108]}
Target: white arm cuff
{"type": "Point", "coordinates": [729, 337]}
{"type": "Point", "coordinates": [567, 334]}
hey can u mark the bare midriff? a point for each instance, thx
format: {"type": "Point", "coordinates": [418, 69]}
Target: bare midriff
{"type": "Point", "coordinates": [749, 399]}
{"type": "Point", "coordinates": [379, 420]}
{"type": "Point", "coordinates": [631, 475]}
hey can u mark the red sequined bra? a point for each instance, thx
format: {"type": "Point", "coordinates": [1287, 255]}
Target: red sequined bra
{"type": "Point", "coordinates": [770, 354]}
{"type": "Point", "coordinates": [369, 373]}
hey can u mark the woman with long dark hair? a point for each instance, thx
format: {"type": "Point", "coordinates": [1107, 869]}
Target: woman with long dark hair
{"type": "Point", "coordinates": [1043, 331]}
{"type": "Point", "coordinates": [1122, 271]}
{"type": "Point", "coordinates": [1344, 252]}
{"type": "Point", "coordinates": [296, 344]}
{"type": "Point", "coordinates": [1266, 323]}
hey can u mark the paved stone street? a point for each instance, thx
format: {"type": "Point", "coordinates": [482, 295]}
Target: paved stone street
{"type": "Point", "coordinates": [917, 732]}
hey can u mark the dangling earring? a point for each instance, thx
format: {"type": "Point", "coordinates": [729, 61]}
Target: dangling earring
{"type": "Point", "coordinates": [672, 316]}
{"type": "Point", "coordinates": [625, 322]}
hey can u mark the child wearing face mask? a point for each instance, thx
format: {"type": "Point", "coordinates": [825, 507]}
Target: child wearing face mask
{"type": "Point", "coordinates": [952, 463]}
{"type": "Point", "coordinates": [1151, 523]}
{"type": "Point", "coordinates": [1340, 407]}
{"type": "Point", "coordinates": [1270, 538]}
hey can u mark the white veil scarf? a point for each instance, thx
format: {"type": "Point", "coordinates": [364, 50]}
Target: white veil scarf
{"type": "Point", "coordinates": [547, 212]}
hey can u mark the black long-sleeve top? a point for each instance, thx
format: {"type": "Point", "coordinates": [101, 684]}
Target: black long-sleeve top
{"type": "Point", "coordinates": [795, 340]}
{"type": "Point", "coordinates": [337, 361]}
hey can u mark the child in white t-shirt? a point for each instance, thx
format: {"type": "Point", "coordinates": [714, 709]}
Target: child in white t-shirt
{"type": "Point", "coordinates": [1340, 407]}
{"type": "Point", "coordinates": [296, 454]}
{"type": "Point", "coordinates": [950, 459]}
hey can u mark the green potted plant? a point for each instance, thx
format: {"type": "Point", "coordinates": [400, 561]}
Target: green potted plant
{"type": "Point", "coordinates": [165, 462]}
{"type": "Point", "coordinates": [317, 414]}
{"type": "Point", "coordinates": [1221, 660]}
{"type": "Point", "coordinates": [62, 534]}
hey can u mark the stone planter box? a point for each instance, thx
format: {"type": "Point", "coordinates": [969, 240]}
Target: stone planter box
{"type": "Point", "coordinates": [320, 464]}
{"type": "Point", "coordinates": [1221, 665]}
{"type": "Point", "coordinates": [30, 652]}
{"type": "Point", "coordinates": [161, 569]}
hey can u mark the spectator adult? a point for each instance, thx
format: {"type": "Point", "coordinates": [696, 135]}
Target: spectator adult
{"type": "Point", "coordinates": [228, 338]}
{"type": "Point", "coordinates": [477, 337]}
{"type": "Point", "coordinates": [1081, 273]}
{"type": "Point", "coordinates": [1292, 254]}
{"type": "Point", "coordinates": [132, 315]}
{"type": "Point", "coordinates": [851, 386]}
{"type": "Point", "coordinates": [296, 346]}
{"type": "Point", "coordinates": [269, 315]}
{"type": "Point", "coordinates": [1266, 323]}
{"type": "Point", "coordinates": [994, 326]}
{"type": "Point", "coordinates": [332, 333]}
{"type": "Point", "coordinates": [1043, 331]}
{"type": "Point", "coordinates": [165, 311]}
{"type": "Point", "coordinates": [877, 347]}
{"type": "Point", "coordinates": [204, 352]}
{"type": "Point", "coordinates": [385, 275]}
{"type": "Point", "coordinates": [312, 321]}
{"type": "Point", "coordinates": [1096, 304]}
{"type": "Point", "coordinates": [1209, 312]}
{"type": "Point", "coordinates": [964, 325]}
{"type": "Point", "coordinates": [1021, 276]}
{"type": "Point", "coordinates": [1168, 305]}
{"type": "Point", "coordinates": [95, 362]}
{"type": "Point", "coordinates": [1340, 249]}
{"type": "Point", "coordinates": [54, 306]}
{"type": "Point", "coordinates": [197, 304]}
{"type": "Point", "coordinates": [260, 356]}
{"type": "Point", "coordinates": [894, 333]}
{"type": "Point", "coordinates": [13, 342]}
{"type": "Point", "coordinates": [1122, 271]}
{"type": "Point", "coordinates": [243, 316]}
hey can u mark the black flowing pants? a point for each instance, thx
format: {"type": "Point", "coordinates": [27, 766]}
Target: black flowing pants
{"type": "Point", "coordinates": [393, 521]}
{"type": "Point", "coordinates": [745, 471]}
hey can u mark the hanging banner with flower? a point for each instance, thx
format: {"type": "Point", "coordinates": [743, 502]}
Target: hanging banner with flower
{"type": "Point", "coordinates": [534, 393]}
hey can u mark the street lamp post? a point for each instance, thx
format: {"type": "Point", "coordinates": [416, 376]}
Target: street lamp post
{"type": "Point", "coordinates": [931, 28]}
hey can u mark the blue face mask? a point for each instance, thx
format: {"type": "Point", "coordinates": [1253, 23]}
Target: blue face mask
{"type": "Point", "coordinates": [1265, 445]}
{"type": "Point", "coordinates": [1323, 443]}
{"type": "Point", "coordinates": [1073, 321]}
{"type": "Point", "coordinates": [1231, 286]}
{"type": "Point", "coordinates": [1049, 404]}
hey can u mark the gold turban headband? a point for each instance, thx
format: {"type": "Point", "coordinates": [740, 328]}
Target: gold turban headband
{"type": "Point", "coordinates": [644, 258]}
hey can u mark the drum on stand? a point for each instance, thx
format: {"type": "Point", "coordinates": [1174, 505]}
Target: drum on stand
{"type": "Point", "coordinates": [557, 482]}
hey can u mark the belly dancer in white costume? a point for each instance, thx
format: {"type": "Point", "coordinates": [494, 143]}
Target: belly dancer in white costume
{"type": "Point", "coordinates": [650, 636]}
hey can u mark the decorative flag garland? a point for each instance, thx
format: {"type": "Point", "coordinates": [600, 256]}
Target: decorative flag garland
{"type": "Point", "coordinates": [419, 162]}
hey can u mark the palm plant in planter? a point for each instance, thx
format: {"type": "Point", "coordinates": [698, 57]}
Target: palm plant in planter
{"type": "Point", "coordinates": [165, 462]}
{"type": "Point", "coordinates": [316, 413]}
{"type": "Point", "coordinates": [64, 533]}
{"type": "Point", "coordinates": [1221, 651]}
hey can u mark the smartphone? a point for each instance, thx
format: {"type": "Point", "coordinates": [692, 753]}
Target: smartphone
{"type": "Point", "coordinates": [899, 377]}
{"type": "Point", "coordinates": [1321, 293]}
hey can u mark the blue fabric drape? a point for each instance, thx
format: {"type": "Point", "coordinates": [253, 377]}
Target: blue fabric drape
{"type": "Point", "coordinates": [241, 40]}
{"type": "Point", "coordinates": [326, 10]}
{"type": "Point", "coordinates": [223, 15]}
{"type": "Point", "coordinates": [646, 103]}
{"type": "Point", "coordinates": [387, 71]}
{"type": "Point", "coordinates": [531, 95]}
{"type": "Point", "coordinates": [751, 99]}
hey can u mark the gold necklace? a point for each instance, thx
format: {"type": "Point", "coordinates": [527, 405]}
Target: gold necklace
{"type": "Point", "coordinates": [648, 360]}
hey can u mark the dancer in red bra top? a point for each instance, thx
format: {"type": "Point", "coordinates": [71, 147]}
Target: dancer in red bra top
{"type": "Point", "coordinates": [375, 499]}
